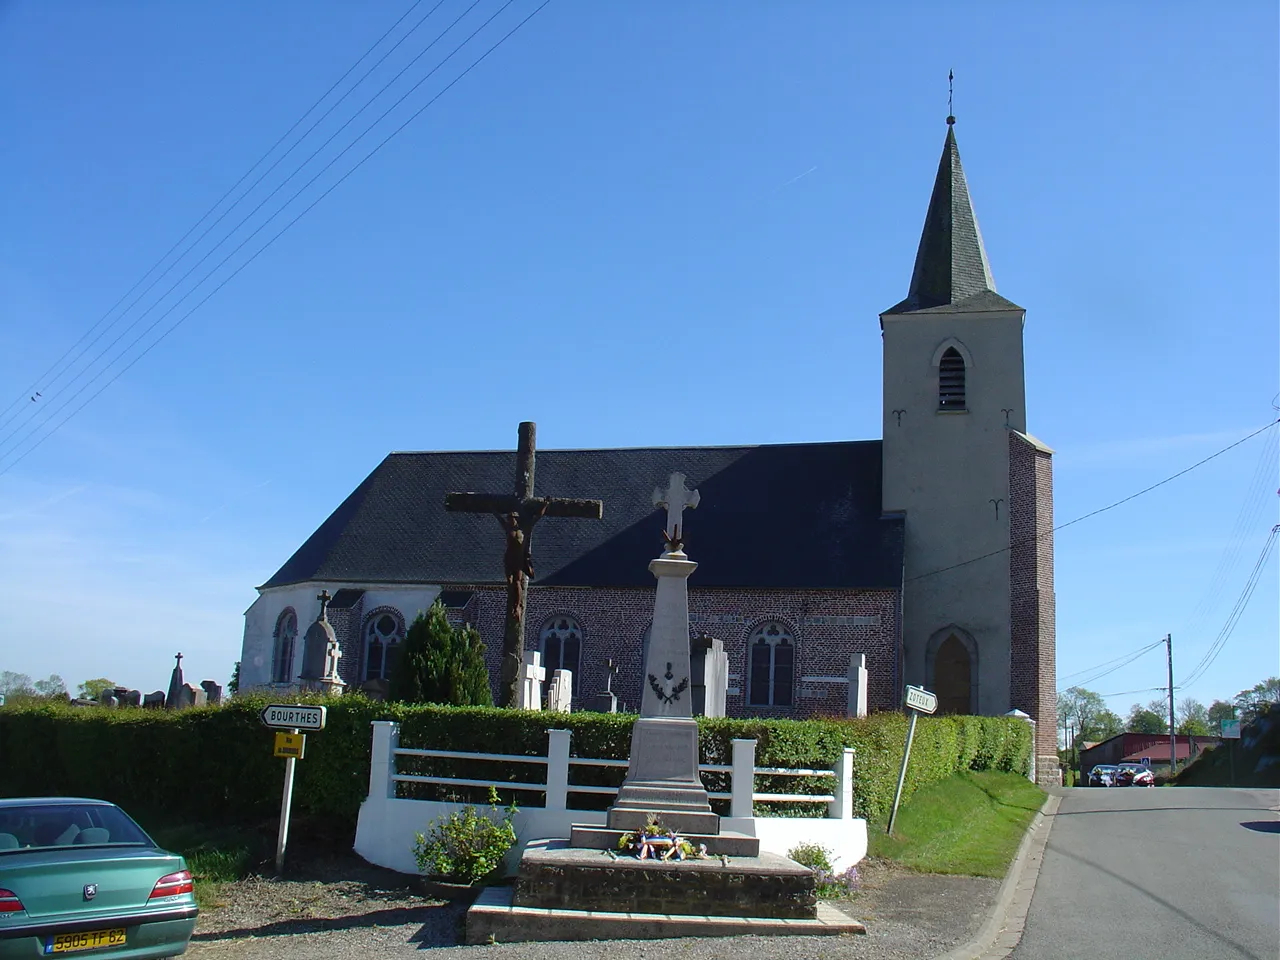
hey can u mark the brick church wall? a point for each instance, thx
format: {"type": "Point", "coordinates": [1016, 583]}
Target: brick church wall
{"type": "Point", "coordinates": [1033, 644]}
{"type": "Point", "coordinates": [828, 627]}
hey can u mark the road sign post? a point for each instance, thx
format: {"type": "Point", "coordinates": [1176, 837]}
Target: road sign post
{"type": "Point", "coordinates": [294, 717]}
{"type": "Point", "coordinates": [918, 701]}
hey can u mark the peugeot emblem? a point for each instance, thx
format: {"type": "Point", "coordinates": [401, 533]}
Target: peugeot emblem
{"type": "Point", "coordinates": [90, 891]}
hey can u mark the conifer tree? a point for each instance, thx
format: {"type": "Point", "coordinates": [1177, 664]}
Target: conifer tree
{"type": "Point", "coordinates": [441, 663]}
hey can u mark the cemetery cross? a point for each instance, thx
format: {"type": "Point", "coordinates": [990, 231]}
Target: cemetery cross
{"type": "Point", "coordinates": [517, 515]}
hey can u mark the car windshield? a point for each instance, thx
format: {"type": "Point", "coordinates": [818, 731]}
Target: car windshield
{"type": "Point", "coordinates": [1104, 769]}
{"type": "Point", "coordinates": [49, 825]}
{"type": "Point", "coordinates": [1131, 766]}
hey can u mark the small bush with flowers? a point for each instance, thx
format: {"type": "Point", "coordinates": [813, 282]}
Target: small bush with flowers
{"type": "Point", "coordinates": [830, 885]}
{"type": "Point", "coordinates": [467, 846]}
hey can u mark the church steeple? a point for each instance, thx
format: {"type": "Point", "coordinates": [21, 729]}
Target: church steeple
{"type": "Point", "coordinates": [951, 268]}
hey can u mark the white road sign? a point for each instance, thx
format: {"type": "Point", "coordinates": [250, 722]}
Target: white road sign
{"type": "Point", "coordinates": [918, 698]}
{"type": "Point", "coordinates": [292, 716]}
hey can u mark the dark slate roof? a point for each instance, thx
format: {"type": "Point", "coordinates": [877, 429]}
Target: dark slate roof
{"type": "Point", "coordinates": [951, 269]}
{"type": "Point", "coordinates": [345, 599]}
{"type": "Point", "coordinates": [804, 515]}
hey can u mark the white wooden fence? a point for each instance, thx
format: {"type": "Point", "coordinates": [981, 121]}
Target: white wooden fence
{"type": "Point", "coordinates": [388, 823]}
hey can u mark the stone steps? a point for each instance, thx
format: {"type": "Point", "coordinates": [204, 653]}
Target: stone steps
{"type": "Point", "coordinates": [493, 918]}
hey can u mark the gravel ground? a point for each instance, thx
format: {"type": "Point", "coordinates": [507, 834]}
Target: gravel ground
{"type": "Point", "coordinates": [344, 909]}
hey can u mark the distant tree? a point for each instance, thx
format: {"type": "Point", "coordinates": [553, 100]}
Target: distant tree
{"type": "Point", "coordinates": [16, 684]}
{"type": "Point", "coordinates": [1220, 710]}
{"type": "Point", "coordinates": [233, 685]}
{"type": "Point", "coordinates": [441, 663]}
{"type": "Point", "coordinates": [1193, 718]}
{"type": "Point", "coordinates": [54, 686]}
{"type": "Point", "coordinates": [93, 689]}
{"type": "Point", "coordinates": [1086, 716]}
{"type": "Point", "coordinates": [1145, 720]}
{"type": "Point", "coordinates": [1253, 701]}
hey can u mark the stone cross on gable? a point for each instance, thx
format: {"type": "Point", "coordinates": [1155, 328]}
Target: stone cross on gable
{"type": "Point", "coordinates": [324, 599]}
{"type": "Point", "coordinates": [675, 498]}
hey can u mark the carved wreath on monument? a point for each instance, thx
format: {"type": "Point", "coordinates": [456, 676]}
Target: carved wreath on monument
{"type": "Point", "coordinates": [661, 689]}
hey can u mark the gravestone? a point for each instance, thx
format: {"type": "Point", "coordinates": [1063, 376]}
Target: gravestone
{"type": "Point", "coordinates": [183, 698]}
{"type": "Point", "coordinates": [212, 692]}
{"type": "Point", "coordinates": [857, 706]}
{"type": "Point", "coordinates": [532, 673]}
{"type": "Point", "coordinates": [175, 684]}
{"type": "Point", "coordinates": [709, 666]}
{"type": "Point", "coordinates": [154, 701]}
{"type": "Point", "coordinates": [320, 653]}
{"type": "Point", "coordinates": [607, 702]}
{"type": "Point", "coordinates": [560, 692]}
{"type": "Point", "coordinates": [108, 698]}
{"type": "Point", "coordinates": [133, 698]}
{"type": "Point", "coordinates": [194, 696]}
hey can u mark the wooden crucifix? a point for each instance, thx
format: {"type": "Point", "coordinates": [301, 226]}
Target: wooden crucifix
{"type": "Point", "coordinates": [517, 515]}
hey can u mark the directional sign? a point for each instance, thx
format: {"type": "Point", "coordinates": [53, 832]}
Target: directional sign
{"type": "Point", "coordinates": [290, 745]}
{"type": "Point", "coordinates": [918, 698]}
{"type": "Point", "coordinates": [286, 716]}
{"type": "Point", "coordinates": [1230, 729]}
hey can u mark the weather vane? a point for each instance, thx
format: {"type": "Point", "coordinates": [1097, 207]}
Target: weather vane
{"type": "Point", "coordinates": [951, 90]}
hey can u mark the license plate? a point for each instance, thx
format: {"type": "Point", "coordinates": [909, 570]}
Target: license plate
{"type": "Point", "coordinates": [89, 940]}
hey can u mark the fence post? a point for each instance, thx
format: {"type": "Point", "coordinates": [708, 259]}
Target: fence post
{"type": "Point", "coordinates": [841, 808]}
{"type": "Point", "coordinates": [382, 762]}
{"type": "Point", "coordinates": [744, 778]}
{"type": "Point", "coordinates": [558, 769]}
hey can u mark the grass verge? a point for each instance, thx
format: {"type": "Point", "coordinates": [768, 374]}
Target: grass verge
{"type": "Point", "coordinates": [970, 823]}
{"type": "Point", "coordinates": [215, 855]}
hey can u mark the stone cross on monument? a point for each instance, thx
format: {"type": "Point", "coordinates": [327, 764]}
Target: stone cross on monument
{"type": "Point", "coordinates": [517, 514]}
{"type": "Point", "coordinates": [674, 499]}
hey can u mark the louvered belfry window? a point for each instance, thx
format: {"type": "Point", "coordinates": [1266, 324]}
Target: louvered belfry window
{"type": "Point", "coordinates": [951, 381]}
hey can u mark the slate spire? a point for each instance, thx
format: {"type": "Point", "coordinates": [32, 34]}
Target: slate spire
{"type": "Point", "coordinates": [951, 262]}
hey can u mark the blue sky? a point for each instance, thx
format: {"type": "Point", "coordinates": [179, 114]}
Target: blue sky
{"type": "Point", "coordinates": [622, 196]}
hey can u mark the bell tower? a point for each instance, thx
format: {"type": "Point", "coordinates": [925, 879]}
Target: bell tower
{"type": "Point", "coordinates": [953, 395]}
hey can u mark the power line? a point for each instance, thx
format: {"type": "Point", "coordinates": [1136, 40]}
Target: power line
{"type": "Point", "coordinates": [1093, 513]}
{"type": "Point", "coordinates": [1108, 663]}
{"type": "Point", "coordinates": [1106, 669]}
{"type": "Point", "coordinates": [286, 227]}
{"type": "Point", "coordinates": [40, 381]}
{"type": "Point", "coordinates": [1125, 693]}
{"type": "Point", "coordinates": [258, 207]}
{"type": "Point", "coordinates": [1237, 611]}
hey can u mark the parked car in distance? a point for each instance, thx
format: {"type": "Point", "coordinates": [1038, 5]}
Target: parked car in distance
{"type": "Point", "coordinates": [80, 876]}
{"type": "Point", "coordinates": [1103, 775]}
{"type": "Point", "coordinates": [1135, 775]}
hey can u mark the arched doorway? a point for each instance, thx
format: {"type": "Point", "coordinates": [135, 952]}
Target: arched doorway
{"type": "Point", "coordinates": [953, 676]}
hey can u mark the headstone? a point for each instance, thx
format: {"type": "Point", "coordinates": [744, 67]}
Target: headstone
{"type": "Point", "coordinates": [607, 702]}
{"type": "Point", "coordinates": [175, 685]}
{"type": "Point", "coordinates": [709, 675]}
{"type": "Point", "coordinates": [212, 692]}
{"type": "Point", "coordinates": [133, 698]}
{"type": "Point", "coordinates": [321, 652]}
{"type": "Point", "coordinates": [194, 696]}
{"type": "Point", "coordinates": [858, 685]}
{"type": "Point", "coordinates": [560, 692]}
{"type": "Point", "coordinates": [154, 701]}
{"type": "Point", "coordinates": [108, 698]}
{"type": "Point", "coordinates": [532, 673]}
{"type": "Point", "coordinates": [182, 699]}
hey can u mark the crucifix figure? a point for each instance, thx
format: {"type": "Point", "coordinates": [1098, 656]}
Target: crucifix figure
{"type": "Point", "coordinates": [674, 499]}
{"type": "Point", "coordinates": [517, 514]}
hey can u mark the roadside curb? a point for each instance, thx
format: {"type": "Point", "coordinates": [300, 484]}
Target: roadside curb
{"type": "Point", "coordinates": [1003, 928]}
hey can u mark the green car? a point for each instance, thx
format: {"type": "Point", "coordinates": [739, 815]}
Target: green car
{"type": "Point", "coordinates": [79, 876]}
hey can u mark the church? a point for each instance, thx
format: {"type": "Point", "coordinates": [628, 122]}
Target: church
{"type": "Point", "coordinates": [929, 551]}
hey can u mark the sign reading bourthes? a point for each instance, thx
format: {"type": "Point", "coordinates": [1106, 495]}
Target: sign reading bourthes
{"type": "Point", "coordinates": [284, 716]}
{"type": "Point", "coordinates": [295, 718]}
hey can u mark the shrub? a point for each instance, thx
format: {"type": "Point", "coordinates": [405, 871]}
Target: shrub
{"type": "Point", "coordinates": [467, 846]}
{"type": "Point", "coordinates": [441, 663]}
{"type": "Point", "coordinates": [829, 884]}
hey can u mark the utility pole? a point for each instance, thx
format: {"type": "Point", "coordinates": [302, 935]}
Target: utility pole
{"type": "Point", "coordinates": [1173, 736]}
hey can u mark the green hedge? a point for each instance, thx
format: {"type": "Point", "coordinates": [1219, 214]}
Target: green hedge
{"type": "Point", "coordinates": [215, 764]}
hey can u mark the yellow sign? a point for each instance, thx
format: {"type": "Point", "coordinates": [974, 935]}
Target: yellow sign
{"type": "Point", "coordinates": [290, 745]}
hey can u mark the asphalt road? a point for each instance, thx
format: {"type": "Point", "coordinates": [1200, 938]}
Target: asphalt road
{"type": "Point", "coordinates": [1164, 872]}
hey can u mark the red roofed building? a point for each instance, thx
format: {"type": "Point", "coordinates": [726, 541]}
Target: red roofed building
{"type": "Point", "coordinates": [1133, 747]}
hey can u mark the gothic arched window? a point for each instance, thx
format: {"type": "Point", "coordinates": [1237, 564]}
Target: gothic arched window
{"type": "Point", "coordinates": [285, 634]}
{"type": "Point", "coordinates": [771, 658]}
{"type": "Point", "coordinates": [951, 380]}
{"type": "Point", "coordinates": [383, 631]}
{"type": "Point", "coordinates": [561, 641]}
